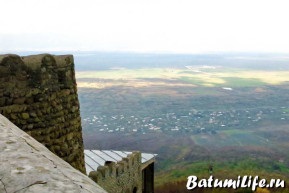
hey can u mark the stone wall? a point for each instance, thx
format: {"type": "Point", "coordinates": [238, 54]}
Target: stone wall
{"type": "Point", "coordinates": [28, 166]}
{"type": "Point", "coordinates": [38, 93]}
{"type": "Point", "coordinates": [122, 177]}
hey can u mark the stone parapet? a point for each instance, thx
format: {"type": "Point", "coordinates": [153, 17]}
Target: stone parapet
{"type": "Point", "coordinates": [124, 176]}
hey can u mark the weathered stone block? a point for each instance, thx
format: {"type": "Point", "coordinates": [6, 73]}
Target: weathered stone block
{"type": "Point", "coordinates": [19, 101]}
{"type": "Point", "coordinates": [13, 116]}
{"type": "Point", "coordinates": [25, 115]}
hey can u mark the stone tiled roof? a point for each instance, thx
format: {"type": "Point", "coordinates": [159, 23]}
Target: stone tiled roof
{"type": "Point", "coordinates": [28, 166]}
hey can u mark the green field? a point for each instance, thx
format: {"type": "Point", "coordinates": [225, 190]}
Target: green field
{"type": "Point", "coordinates": [209, 78]}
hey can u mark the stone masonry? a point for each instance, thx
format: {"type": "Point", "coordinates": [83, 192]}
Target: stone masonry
{"type": "Point", "coordinates": [38, 94]}
{"type": "Point", "coordinates": [121, 177]}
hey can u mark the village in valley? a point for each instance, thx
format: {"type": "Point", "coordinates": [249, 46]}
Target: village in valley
{"type": "Point", "coordinates": [191, 121]}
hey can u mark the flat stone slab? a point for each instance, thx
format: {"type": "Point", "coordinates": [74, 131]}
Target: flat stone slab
{"type": "Point", "coordinates": [28, 166]}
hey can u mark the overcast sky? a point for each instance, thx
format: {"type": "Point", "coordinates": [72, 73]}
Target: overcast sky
{"type": "Point", "coordinates": [181, 26]}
